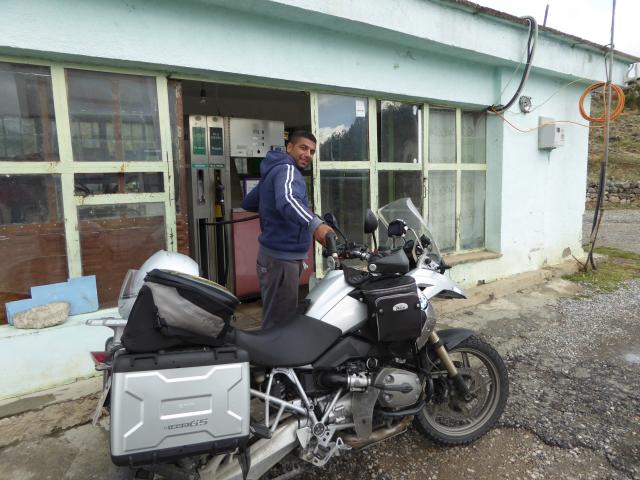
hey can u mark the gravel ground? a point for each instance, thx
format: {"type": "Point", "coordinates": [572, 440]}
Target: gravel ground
{"type": "Point", "coordinates": [573, 410]}
{"type": "Point", "coordinates": [619, 228]}
{"type": "Point", "coordinates": [576, 381]}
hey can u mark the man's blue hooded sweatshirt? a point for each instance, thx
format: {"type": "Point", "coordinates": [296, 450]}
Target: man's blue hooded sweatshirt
{"type": "Point", "coordinates": [286, 220]}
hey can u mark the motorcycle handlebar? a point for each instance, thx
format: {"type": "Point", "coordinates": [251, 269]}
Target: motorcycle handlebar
{"type": "Point", "coordinates": [359, 254]}
{"type": "Point", "coordinates": [331, 244]}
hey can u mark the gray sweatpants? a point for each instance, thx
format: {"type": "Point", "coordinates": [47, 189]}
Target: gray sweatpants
{"type": "Point", "coordinates": [279, 283]}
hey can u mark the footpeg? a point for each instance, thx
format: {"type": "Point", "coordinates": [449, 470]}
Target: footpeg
{"type": "Point", "coordinates": [260, 430]}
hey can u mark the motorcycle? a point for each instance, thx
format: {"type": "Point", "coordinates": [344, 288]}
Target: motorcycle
{"type": "Point", "coordinates": [357, 364]}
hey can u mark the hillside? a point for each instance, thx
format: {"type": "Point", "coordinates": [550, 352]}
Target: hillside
{"type": "Point", "coordinates": [624, 146]}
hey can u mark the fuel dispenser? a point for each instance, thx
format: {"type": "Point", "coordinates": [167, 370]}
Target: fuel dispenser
{"type": "Point", "coordinates": [224, 160]}
{"type": "Point", "coordinates": [207, 206]}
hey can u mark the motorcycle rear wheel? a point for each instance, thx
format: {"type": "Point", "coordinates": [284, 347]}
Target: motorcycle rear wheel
{"type": "Point", "coordinates": [447, 419]}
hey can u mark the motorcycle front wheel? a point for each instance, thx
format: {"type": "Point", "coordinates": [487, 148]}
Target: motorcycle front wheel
{"type": "Point", "coordinates": [447, 418]}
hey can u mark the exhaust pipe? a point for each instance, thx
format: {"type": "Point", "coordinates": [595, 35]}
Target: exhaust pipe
{"type": "Point", "coordinates": [378, 435]}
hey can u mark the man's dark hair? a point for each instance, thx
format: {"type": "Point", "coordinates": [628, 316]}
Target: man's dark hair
{"type": "Point", "coordinates": [302, 134]}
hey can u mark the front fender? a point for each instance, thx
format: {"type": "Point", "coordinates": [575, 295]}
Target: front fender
{"type": "Point", "coordinates": [434, 284]}
{"type": "Point", "coordinates": [452, 337]}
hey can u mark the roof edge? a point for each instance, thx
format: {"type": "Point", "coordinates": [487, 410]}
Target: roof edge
{"type": "Point", "coordinates": [573, 39]}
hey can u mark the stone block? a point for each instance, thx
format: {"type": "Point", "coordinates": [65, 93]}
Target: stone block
{"type": "Point", "coordinates": [42, 316]}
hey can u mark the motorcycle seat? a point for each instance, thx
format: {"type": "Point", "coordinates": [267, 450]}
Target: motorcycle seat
{"type": "Point", "coordinates": [296, 342]}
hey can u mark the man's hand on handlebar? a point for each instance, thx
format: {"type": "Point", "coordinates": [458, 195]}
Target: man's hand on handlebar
{"type": "Point", "coordinates": [320, 234]}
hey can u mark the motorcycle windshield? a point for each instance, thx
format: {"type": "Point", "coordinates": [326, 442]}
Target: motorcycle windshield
{"type": "Point", "coordinates": [404, 209]}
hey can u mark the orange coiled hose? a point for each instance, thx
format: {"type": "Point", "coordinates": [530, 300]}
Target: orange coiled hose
{"type": "Point", "coordinates": [617, 111]}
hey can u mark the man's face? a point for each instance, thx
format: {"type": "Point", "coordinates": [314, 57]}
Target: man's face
{"type": "Point", "coordinates": [302, 151]}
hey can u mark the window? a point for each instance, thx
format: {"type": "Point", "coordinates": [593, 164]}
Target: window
{"type": "Point", "coordinates": [399, 163]}
{"type": "Point", "coordinates": [115, 238]}
{"type": "Point", "coordinates": [372, 152]}
{"type": "Point", "coordinates": [343, 128]}
{"type": "Point", "coordinates": [456, 174]}
{"type": "Point", "coordinates": [32, 235]}
{"type": "Point", "coordinates": [117, 182]}
{"type": "Point", "coordinates": [114, 117]}
{"type": "Point", "coordinates": [343, 166]}
{"type": "Point", "coordinates": [393, 185]}
{"type": "Point", "coordinates": [27, 125]}
{"type": "Point", "coordinates": [399, 132]}
{"type": "Point", "coordinates": [346, 195]}
{"type": "Point", "coordinates": [98, 204]}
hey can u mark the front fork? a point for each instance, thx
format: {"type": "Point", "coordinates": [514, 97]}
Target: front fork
{"type": "Point", "coordinates": [454, 375]}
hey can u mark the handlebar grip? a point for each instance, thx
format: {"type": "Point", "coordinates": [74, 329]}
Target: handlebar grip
{"type": "Point", "coordinates": [331, 244]}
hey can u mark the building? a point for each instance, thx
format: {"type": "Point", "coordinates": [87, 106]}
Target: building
{"type": "Point", "coordinates": [96, 100]}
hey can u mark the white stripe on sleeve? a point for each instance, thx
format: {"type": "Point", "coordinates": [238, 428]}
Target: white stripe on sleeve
{"type": "Point", "coordinates": [288, 193]}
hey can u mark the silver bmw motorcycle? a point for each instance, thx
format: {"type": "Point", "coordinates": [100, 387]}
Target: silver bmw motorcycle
{"type": "Point", "coordinates": [190, 396]}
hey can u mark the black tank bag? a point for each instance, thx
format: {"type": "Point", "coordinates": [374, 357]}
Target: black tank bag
{"type": "Point", "coordinates": [394, 308]}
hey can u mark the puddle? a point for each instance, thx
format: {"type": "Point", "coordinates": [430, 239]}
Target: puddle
{"type": "Point", "coordinates": [632, 358]}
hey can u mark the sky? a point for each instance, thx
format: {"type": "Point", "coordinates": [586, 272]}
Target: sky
{"type": "Point", "coordinates": [588, 19]}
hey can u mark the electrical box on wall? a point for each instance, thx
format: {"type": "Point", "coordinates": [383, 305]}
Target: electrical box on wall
{"type": "Point", "coordinates": [254, 138]}
{"type": "Point", "coordinates": [550, 135]}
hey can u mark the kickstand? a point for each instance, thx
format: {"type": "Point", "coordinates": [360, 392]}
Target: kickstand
{"type": "Point", "coordinates": [244, 458]}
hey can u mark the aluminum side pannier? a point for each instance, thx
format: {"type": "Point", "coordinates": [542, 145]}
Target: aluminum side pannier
{"type": "Point", "coordinates": [178, 403]}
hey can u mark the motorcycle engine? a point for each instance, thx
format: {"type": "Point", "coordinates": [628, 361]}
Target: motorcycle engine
{"type": "Point", "coordinates": [399, 388]}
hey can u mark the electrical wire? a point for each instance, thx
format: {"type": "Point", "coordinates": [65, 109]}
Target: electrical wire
{"type": "Point", "coordinates": [528, 130]}
{"type": "Point", "coordinates": [555, 93]}
{"type": "Point", "coordinates": [599, 210]}
{"type": "Point", "coordinates": [600, 120]}
{"type": "Point", "coordinates": [531, 49]}
{"type": "Point", "coordinates": [606, 117]}
{"type": "Point", "coordinates": [513, 74]}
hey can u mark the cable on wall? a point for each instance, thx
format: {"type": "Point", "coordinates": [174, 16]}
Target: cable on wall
{"type": "Point", "coordinates": [531, 49]}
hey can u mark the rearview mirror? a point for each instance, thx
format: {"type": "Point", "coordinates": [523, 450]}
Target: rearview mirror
{"type": "Point", "coordinates": [330, 219]}
{"type": "Point", "coordinates": [370, 222]}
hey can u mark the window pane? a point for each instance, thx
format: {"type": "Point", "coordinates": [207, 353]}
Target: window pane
{"type": "Point", "coordinates": [32, 240]}
{"type": "Point", "coordinates": [115, 238]}
{"type": "Point", "coordinates": [473, 137]}
{"type": "Point", "coordinates": [30, 199]}
{"type": "Point", "coordinates": [399, 132]}
{"type": "Point", "coordinates": [118, 182]}
{"type": "Point", "coordinates": [346, 195]}
{"type": "Point", "coordinates": [442, 208]}
{"type": "Point", "coordinates": [442, 136]}
{"type": "Point", "coordinates": [395, 185]}
{"type": "Point", "coordinates": [472, 210]}
{"type": "Point", "coordinates": [27, 121]}
{"type": "Point", "coordinates": [113, 117]}
{"type": "Point", "coordinates": [344, 128]}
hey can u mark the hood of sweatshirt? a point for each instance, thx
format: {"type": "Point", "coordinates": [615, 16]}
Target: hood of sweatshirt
{"type": "Point", "coordinates": [273, 159]}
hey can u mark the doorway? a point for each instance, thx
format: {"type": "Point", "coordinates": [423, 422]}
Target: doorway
{"type": "Point", "coordinates": [227, 131]}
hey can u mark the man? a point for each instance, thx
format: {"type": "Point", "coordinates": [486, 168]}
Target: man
{"type": "Point", "coordinates": [287, 224]}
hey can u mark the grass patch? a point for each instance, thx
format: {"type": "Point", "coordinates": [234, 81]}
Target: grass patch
{"type": "Point", "coordinates": [619, 267]}
{"type": "Point", "coordinates": [624, 145]}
